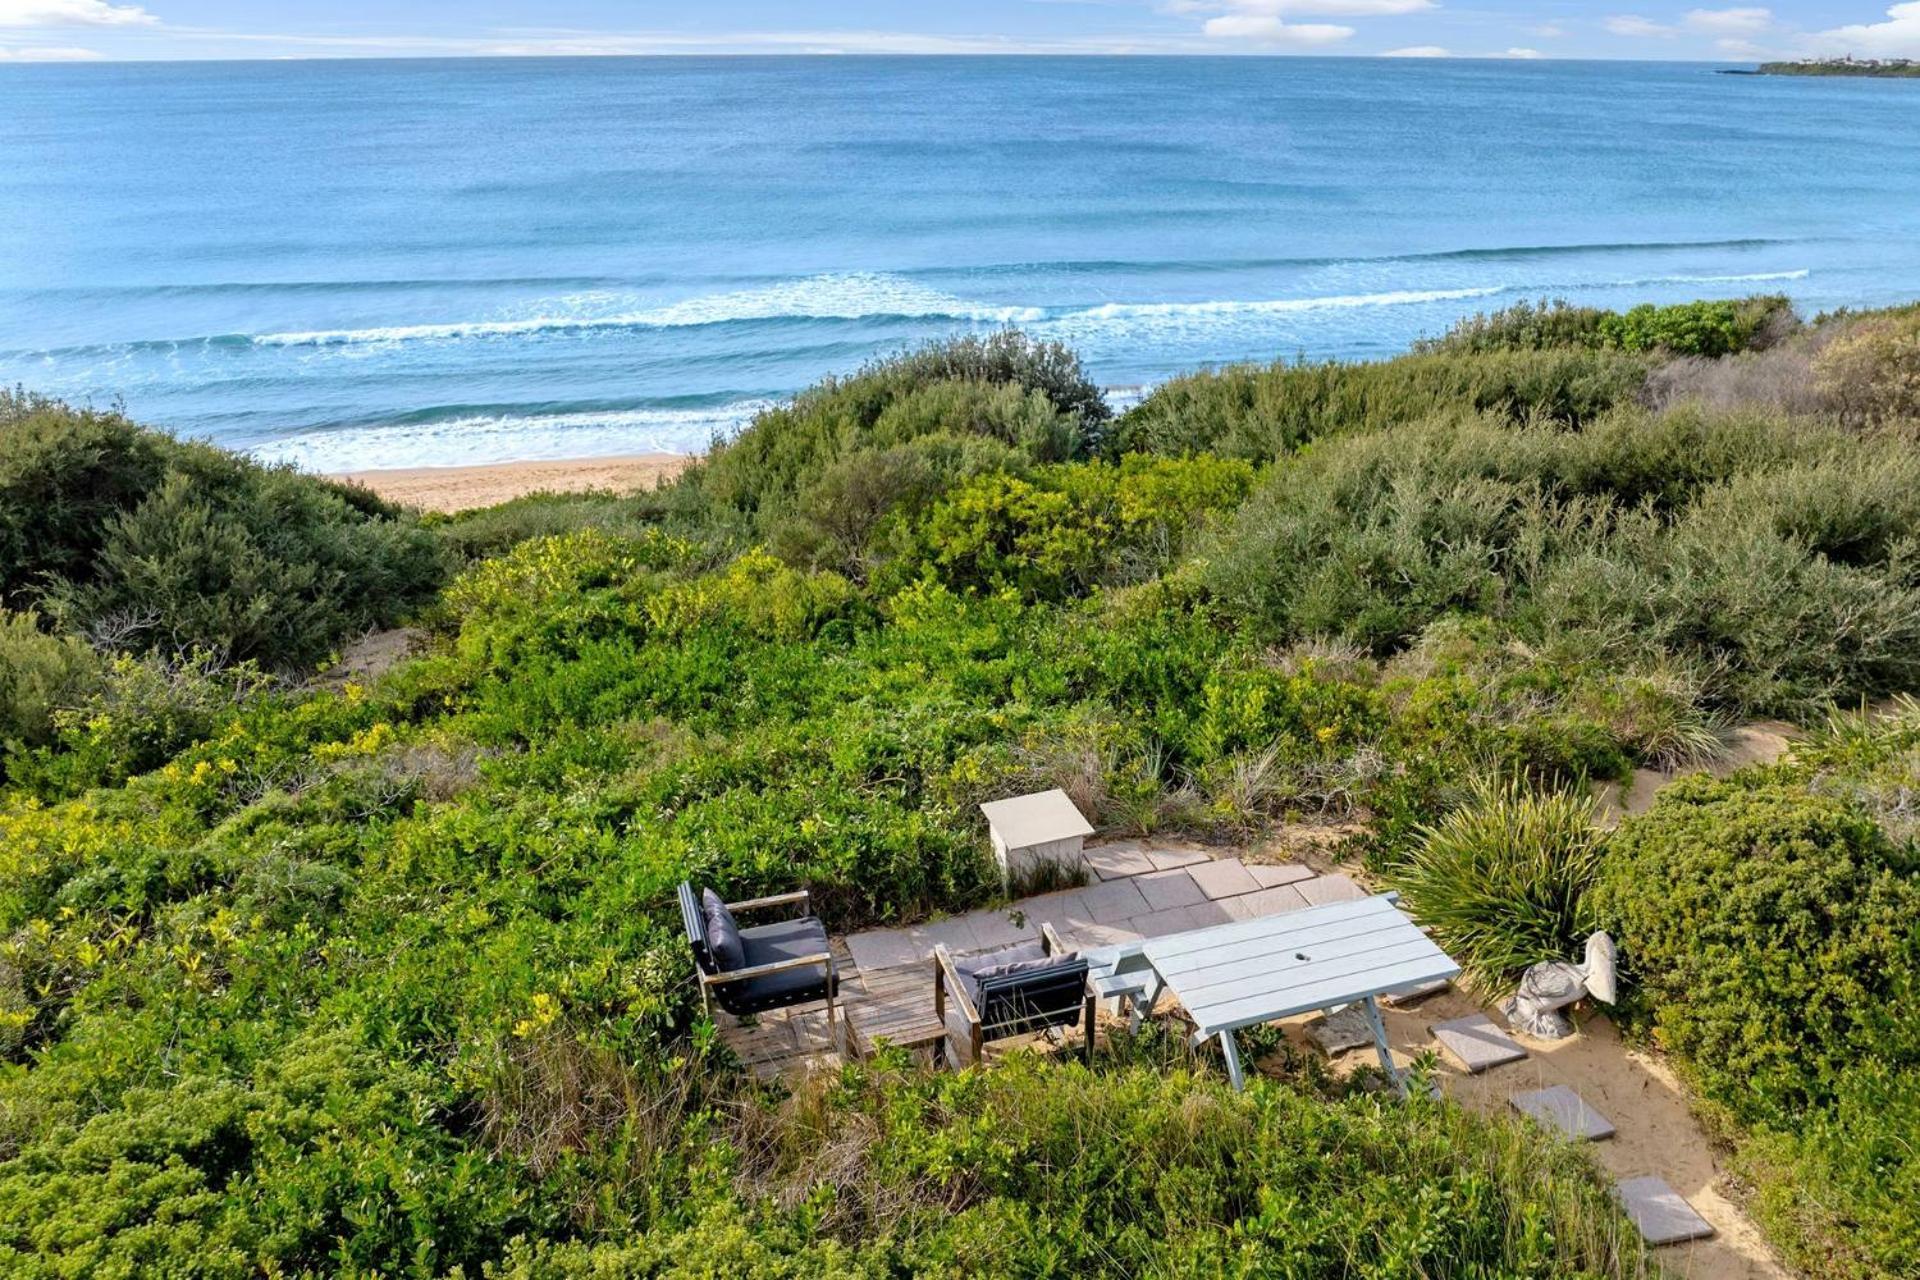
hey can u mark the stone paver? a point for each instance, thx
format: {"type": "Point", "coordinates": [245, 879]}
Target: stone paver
{"type": "Point", "coordinates": [999, 929]}
{"type": "Point", "coordinates": [1112, 902]}
{"type": "Point", "coordinates": [1265, 902]}
{"type": "Point", "coordinates": [1560, 1108]}
{"type": "Point", "coordinates": [1165, 889]}
{"type": "Point", "coordinates": [886, 949]}
{"type": "Point", "coordinates": [1052, 908]}
{"type": "Point", "coordinates": [1476, 1044]}
{"type": "Point", "coordinates": [1223, 879]}
{"type": "Point", "coordinates": [1182, 856]}
{"type": "Point", "coordinates": [1661, 1213]}
{"type": "Point", "coordinates": [1338, 1032]}
{"type": "Point", "coordinates": [1322, 890]}
{"type": "Point", "coordinates": [1158, 924]}
{"type": "Point", "coordinates": [1118, 860]}
{"type": "Point", "coordinates": [1201, 915]}
{"type": "Point", "coordinates": [1413, 995]}
{"type": "Point", "coordinates": [1269, 875]}
{"type": "Point", "coordinates": [1088, 936]}
{"type": "Point", "coordinates": [953, 933]}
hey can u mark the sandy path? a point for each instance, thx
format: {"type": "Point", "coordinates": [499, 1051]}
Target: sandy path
{"type": "Point", "coordinates": [463, 488]}
{"type": "Point", "coordinates": [1654, 1130]}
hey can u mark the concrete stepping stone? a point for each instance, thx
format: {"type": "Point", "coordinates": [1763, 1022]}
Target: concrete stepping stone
{"type": "Point", "coordinates": [1112, 902]}
{"type": "Point", "coordinates": [1661, 1213]}
{"type": "Point", "coordinates": [1476, 1044]}
{"type": "Point", "coordinates": [1118, 860]}
{"type": "Point", "coordinates": [887, 949]}
{"type": "Point", "coordinates": [1170, 859]}
{"type": "Point", "coordinates": [1336, 1033]}
{"type": "Point", "coordinates": [1164, 889]}
{"type": "Point", "coordinates": [1321, 890]}
{"type": "Point", "coordinates": [1560, 1108]}
{"type": "Point", "coordinates": [1265, 902]}
{"type": "Point", "coordinates": [1272, 875]}
{"type": "Point", "coordinates": [1051, 908]}
{"type": "Point", "coordinates": [1223, 879]}
{"type": "Point", "coordinates": [955, 933]}
{"type": "Point", "coordinates": [999, 928]}
{"type": "Point", "coordinates": [1413, 995]}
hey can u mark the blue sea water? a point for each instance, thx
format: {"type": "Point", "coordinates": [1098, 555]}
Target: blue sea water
{"type": "Point", "coordinates": [361, 264]}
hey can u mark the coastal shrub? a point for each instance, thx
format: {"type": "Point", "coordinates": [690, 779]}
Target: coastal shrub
{"type": "Point", "coordinates": [1063, 530]}
{"type": "Point", "coordinates": [134, 715]}
{"type": "Point", "coordinates": [1708, 329]}
{"type": "Point", "coordinates": [1775, 561]}
{"type": "Point", "coordinates": [1768, 936]}
{"type": "Point", "coordinates": [1263, 413]}
{"type": "Point", "coordinates": [146, 542]}
{"type": "Point", "coordinates": [39, 675]}
{"type": "Point", "coordinates": [1769, 932]}
{"type": "Point", "coordinates": [1870, 371]}
{"type": "Point", "coordinates": [1502, 880]}
{"type": "Point", "coordinates": [840, 519]}
{"type": "Point", "coordinates": [1020, 391]}
{"type": "Point", "coordinates": [489, 531]}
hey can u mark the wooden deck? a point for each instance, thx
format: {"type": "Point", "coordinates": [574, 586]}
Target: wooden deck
{"type": "Point", "coordinates": [893, 1005]}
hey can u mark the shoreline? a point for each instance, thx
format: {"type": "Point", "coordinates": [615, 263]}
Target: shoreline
{"type": "Point", "coordinates": [465, 488]}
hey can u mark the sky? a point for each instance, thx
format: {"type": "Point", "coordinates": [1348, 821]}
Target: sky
{"type": "Point", "coordinates": [87, 30]}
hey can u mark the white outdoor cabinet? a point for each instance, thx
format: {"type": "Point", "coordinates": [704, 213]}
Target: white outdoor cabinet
{"type": "Point", "coordinates": [1030, 832]}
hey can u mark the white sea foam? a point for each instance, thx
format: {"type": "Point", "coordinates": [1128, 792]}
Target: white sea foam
{"type": "Point", "coordinates": [1273, 306]}
{"type": "Point", "coordinates": [509, 437]}
{"type": "Point", "coordinates": [1755, 277]}
{"type": "Point", "coordinates": [852, 296]}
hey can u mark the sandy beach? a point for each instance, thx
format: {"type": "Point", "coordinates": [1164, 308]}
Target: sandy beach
{"type": "Point", "coordinates": [463, 488]}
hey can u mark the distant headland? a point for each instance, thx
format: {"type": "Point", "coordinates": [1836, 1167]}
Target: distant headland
{"type": "Point", "coordinates": [1896, 68]}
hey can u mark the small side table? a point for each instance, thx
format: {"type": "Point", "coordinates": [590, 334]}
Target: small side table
{"type": "Point", "coordinates": [904, 1029]}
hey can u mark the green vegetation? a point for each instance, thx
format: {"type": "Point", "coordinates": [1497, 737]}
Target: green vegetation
{"type": "Point", "coordinates": [1502, 881]}
{"type": "Point", "coordinates": [1773, 938]}
{"type": "Point", "coordinates": [311, 975]}
{"type": "Point", "coordinates": [1685, 329]}
{"type": "Point", "coordinates": [1894, 68]}
{"type": "Point", "coordinates": [136, 538]}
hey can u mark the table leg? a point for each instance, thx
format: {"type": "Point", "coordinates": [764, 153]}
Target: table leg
{"type": "Point", "coordinates": [1232, 1052]}
{"type": "Point", "coordinates": [1380, 1045]}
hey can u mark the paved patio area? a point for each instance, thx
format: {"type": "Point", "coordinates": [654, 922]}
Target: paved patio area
{"type": "Point", "coordinates": [1138, 889]}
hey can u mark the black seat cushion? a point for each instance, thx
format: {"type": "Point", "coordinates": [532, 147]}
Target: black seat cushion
{"type": "Point", "coordinates": [770, 944]}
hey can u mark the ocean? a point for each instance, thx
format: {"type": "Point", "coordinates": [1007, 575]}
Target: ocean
{"type": "Point", "coordinates": [351, 264]}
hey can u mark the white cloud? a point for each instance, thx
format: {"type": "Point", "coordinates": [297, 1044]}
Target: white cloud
{"type": "Point", "coordinates": [1547, 31]}
{"type": "Point", "coordinates": [46, 53]}
{"type": "Point", "coordinates": [1629, 24]}
{"type": "Point", "coordinates": [1271, 30]}
{"type": "Point", "coordinates": [1897, 37]}
{"type": "Point", "coordinates": [72, 13]}
{"type": "Point", "coordinates": [1419, 51]}
{"type": "Point", "coordinates": [1524, 54]}
{"type": "Point", "coordinates": [1730, 22]}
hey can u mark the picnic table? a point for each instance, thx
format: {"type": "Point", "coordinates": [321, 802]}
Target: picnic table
{"type": "Point", "coordinates": [1242, 974]}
